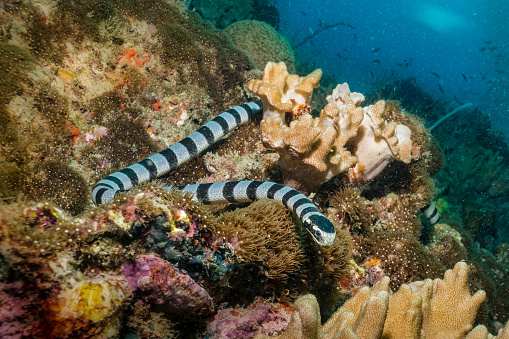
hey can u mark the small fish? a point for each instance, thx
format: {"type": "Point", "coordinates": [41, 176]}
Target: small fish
{"type": "Point", "coordinates": [499, 71]}
{"type": "Point", "coordinates": [457, 100]}
{"type": "Point", "coordinates": [303, 13]}
{"type": "Point", "coordinates": [374, 50]}
{"type": "Point", "coordinates": [399, 64]}
{"type": "Point", "coordinates": [492, 48]}
{"type": "Point", "coordinates": [464, 76]}
{"type": "Point", "coordinates": [340, 57]}
{"type": "Point", "coordinates": [440, 89]}
{"type": "Point", "coordinates": [355, 36]}
{"type": "Point", "coordinates": [487, 42]}
{"type": "Point", "coordinates": [438, 76]}
{"type": "Point", "coordinates": [482, 49]}
{"type": "Point", "coordinates": [376, 61]}
{"type": "Point", "coordinates": [372, 75]}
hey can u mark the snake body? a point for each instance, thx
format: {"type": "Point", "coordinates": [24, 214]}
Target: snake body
{"type": "Point", "coordinates": [431, 212]}
{"type": "Point", "coordinates": [320, 228]}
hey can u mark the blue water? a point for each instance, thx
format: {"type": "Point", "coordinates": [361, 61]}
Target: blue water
{"type": "Point", "coordinates": [411, 39]}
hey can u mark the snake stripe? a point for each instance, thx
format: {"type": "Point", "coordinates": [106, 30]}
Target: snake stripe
{"type": "Point", "coordinates": [246, 191]}
{"type": "Point", "coordinates": [320, 228]}
{"type": "Point", "coordinates": [175, 155]}
{"type": "Point", "coordinates": [431, 212]}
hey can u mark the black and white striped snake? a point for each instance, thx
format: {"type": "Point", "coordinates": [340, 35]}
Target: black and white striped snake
{"type": "Point", "coordinates": [431, 212]}
{"type": "Point", "coordinates": [320, 228]}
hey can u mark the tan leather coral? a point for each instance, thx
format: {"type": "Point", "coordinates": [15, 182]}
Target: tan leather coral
{"type": "Point", "coordinates": [281, 91]}
{"type": "Point", "coordinates": [313, 150]}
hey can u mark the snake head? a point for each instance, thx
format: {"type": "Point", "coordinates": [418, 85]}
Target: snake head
{"type": "Point", "coordinates": [321, 229]}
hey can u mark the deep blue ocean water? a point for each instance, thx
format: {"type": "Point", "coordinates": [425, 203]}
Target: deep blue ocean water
{"type": "Point", "coordinates": [454, 39]}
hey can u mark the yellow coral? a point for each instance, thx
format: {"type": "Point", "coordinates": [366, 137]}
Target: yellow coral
{"type": "Point", "coordinates": [261, 42]}
{"type": "Point", "coordinates": [91, 300]}
{"type": "Point", "coordinates": [312, 150]}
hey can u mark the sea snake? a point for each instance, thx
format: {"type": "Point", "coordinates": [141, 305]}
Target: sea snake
{"type": "Point", "coordinates": [321, 229]}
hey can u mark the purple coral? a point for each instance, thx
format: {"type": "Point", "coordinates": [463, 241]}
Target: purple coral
{"type": "Point", "coordinates": [259, 317]}
{"type": "Point", "coordinates": [13, 314]}
{"type": "Point", "coordinates": [167, 286]}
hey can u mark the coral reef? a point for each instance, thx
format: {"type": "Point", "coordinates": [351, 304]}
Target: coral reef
{"type": "Point", "coordinates": [265, 234]}
{"type": "Point", "coordinates": [91, 87]}
{"type": "Point", "coordinates": [167, 287]}
{"type": "Point", "coordinates": [150, 254]}
{"type": "Point", "coordinates": [431, 308]}
{"type": "Point", "coordinates": [470, 188]}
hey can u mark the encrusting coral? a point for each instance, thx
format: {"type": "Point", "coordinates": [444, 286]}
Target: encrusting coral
{"type": "Point", "coordinates": [431, 308]}
{"type": "Point", "coordinates": [89, 87]}
{"type": "Point", "coordinates": [344, 138]}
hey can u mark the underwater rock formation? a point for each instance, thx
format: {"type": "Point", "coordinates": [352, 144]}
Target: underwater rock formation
{"type": "Point", "coordinates": [92, 87]}
{"type": "Point", "coordinates": [167, 287]}
{"type": "Point", "coordinates": [260, 316]}
{"type": "Point", "coordinates": [157, 250]}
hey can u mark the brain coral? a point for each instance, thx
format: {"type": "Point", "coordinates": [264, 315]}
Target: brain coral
{"type": "Point", "coordinates": [261, 42]}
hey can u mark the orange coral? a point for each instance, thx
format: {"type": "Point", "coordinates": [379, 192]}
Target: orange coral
{"type": "Point", "coordinates": [74, 132]}
{"type": "Point", "coordinates": [129, 57]}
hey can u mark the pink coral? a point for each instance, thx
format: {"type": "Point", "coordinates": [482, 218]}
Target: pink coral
{"type": "Point", "coordinates": [13, 316]}
{"type": "Point", "coordinates": [167, 286]}
{"type": "Point", "coordinates": [259, 317]}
